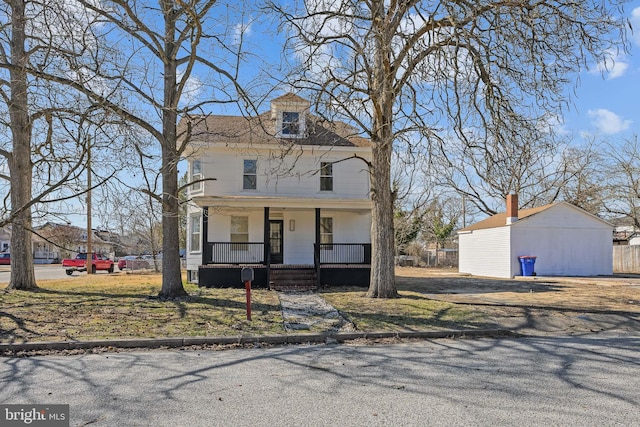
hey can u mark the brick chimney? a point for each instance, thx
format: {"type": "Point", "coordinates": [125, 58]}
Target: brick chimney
{"type": "Point", "coordinates": [512, 208]}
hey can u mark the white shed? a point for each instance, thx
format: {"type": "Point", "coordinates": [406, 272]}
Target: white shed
{"type": "Point", "coordinates": [566, 241]}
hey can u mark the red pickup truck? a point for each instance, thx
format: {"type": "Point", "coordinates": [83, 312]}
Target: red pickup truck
{"type": "Point", "coordinates": [79, 263]}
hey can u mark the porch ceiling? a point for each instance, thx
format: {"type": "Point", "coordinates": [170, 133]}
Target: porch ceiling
{"type": "Point", "coordinates": [248, 202]}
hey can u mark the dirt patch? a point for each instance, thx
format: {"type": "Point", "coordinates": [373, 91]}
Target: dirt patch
{"type": "Point", "coordinates": [542, 304]}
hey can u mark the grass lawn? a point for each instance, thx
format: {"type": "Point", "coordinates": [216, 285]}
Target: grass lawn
{"type": "Point", "coordinates": [123, 306]}
{"type": "Point", "coordinates": [103, 306]}
{"type": "Point", "coordinates": [412, 311]}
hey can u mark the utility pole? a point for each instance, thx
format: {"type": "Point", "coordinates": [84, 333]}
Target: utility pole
{"type": "Point", "coordinates": [89, 228]}
{"type": "Point", "coordinates": [464, 212]}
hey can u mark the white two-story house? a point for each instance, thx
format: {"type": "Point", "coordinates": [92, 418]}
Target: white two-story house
{"type": "Point", "coordinates": [284, 193]}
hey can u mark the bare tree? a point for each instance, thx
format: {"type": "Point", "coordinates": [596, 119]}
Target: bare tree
{"type": "Point", "coordinates": [585, 183]}
{"type": "Point", "coordinates": [423, 73]}
{"type": "Point", "coordinates": [623, 179]}
{"type": "Point", "coordinates": [33, 37]}
{"type": "Point", "coordinates": [19, 159]}
{"type": "Point", "coordinates": [164, 46]}
{"type": "Point", "coordinates": [484, 172]}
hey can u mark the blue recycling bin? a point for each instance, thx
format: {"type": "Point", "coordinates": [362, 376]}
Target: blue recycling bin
{"type": "Point", "coordinates": [527, 264]}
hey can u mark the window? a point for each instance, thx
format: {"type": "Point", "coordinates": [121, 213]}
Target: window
{"type": "Point", "coordinates": [250, 175]}
{"type": "Point", "coordinates": [326, 176]}
{"type": "Point", "coordinates": [192, 276]}
{"type": "Point", "coordinates": [196, 174]}
{"type": "Point", "coordinates": [290, 123]}
{"type": "Point", "coordinates": [194, 235]}
{"type": "Point", "coordinates": [239, 232]}
{"type": "Point", "coordinates": [326, 232]}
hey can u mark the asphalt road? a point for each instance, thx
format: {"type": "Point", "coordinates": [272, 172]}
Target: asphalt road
{"type": "Point", "coordinates": [42, 272]}
{"type": "Point", "coordinates": [574, 381]}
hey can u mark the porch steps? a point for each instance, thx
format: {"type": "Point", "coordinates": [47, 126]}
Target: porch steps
{"type": "Point", "coordinates": [293, 280]}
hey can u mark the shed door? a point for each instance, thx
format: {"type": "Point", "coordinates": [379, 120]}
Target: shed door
{"type": "Point", "coordinates": [276, 228]}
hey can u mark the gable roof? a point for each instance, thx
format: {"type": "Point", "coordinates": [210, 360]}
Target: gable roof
{"type": "Point", "coordinates": [289, 96]}
{"type": "Point", "coordinates": [52, 229]}
{"type": "Point", "coordinates": [500, 219]}
{"type": "Point", "coordinates": [261, 129]}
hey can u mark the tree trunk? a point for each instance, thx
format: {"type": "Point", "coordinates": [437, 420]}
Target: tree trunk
{"type": "Point", "coordinates": [382, 238]}
{"type": "Point", "coordinates": [171, 275]}
{"type": "Point", "coordinates": [20, 166]}
{"type": "Point", "coordinates": [383, 283]}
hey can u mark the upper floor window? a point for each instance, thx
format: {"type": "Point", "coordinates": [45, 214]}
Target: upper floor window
{"type": "Point", "coordinates": [196, 174]}
{"type": "Point", "coordinates": [326, 176]}
{"type": "Point", "coordinates": [250, 175]}
{"type": "Point", "coordinates": [290, 123]}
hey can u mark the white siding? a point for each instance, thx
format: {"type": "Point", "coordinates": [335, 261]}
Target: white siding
{"type": "Point", "coordinates": [635, 240]}
{"type": "Point", "coordinates": [220, 225]}
{"type": "Point", "coordinates": [349, 227]}
{"type": "Point", "coordinates": [485, 252]}
{"type": "Point", "coordinates": [566, 242]}
{"type": "Point", "coordinates": [284, 178]}
{"type": "Point", "coordinates": [285, 181]}
{"type": "Point", "coordinates": [298, 244]}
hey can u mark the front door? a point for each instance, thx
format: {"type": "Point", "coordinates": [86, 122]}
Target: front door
{"type": "Point", "coordinates": [275, 240]}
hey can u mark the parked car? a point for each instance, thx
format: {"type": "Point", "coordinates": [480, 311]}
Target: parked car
{"type": "Point", "coordinates": [139, 261]}
{"type": "Point", "coordinates": [5, 258]}
{"type": "Point", "coordinates": [79, 263]}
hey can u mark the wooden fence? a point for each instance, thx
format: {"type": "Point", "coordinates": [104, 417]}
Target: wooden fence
{"type": "Point", "coordinates": [626, 259]}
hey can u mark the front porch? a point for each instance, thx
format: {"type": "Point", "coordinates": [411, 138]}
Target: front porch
{"type": "Point", "coordinates": [335, 264]}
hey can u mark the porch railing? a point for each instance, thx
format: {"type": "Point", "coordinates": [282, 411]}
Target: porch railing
{"type": "Point", "coordinates": [344, 253]}
{"type": "Point", "coordinates": [234, 253]}
{"type": "Point", "coordinates": [254, 253]}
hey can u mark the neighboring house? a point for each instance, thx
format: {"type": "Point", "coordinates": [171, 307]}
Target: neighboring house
{"type": "Point", "coordinates": [625, 233]}
{"type": "Point", "coordinates": [5, 239]}
{"type": "Point", "coordinates": [288, 195]}
{"type": "Point", "coordinates": [53, 242]}
{"type": "Point", "coordinates": [633, 239]}
{"type": "Point", "coordinates": [566, 240]}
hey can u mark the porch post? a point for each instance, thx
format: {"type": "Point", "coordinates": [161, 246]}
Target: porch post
{"type": "Point", "coordinates": [205, 236]}
{"type": "Point", "coordinates": [316, 248]}
{"type": "Point", "coordinates": [267, 246]}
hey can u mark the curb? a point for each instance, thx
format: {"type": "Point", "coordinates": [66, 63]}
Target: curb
{"type": "Point", "coordinates": [328, 338]}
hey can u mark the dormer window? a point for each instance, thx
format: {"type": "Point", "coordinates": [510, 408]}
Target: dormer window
{"type": "Point", "coordinates": [290, 123]}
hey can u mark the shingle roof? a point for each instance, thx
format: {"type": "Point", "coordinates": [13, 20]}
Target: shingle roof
{"type": "Point", "coordinates": [290, 96]}
{"type": "Point", "coordinates": [261, 130]}
{"type": "Point", "coordinates": [500, 219]}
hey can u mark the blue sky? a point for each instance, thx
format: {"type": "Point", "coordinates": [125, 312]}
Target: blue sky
{"type": "Point", "coordinates": [606, 103]}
